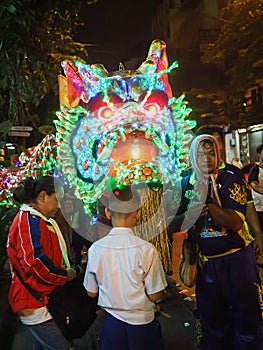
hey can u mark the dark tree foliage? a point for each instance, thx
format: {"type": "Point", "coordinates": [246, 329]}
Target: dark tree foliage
{"type": "Point", "coordinates": [35, 36]}
{"type": "Point", "coordinates": [240, 43]}
{"type": "Point", "coordinates": [239, 46]}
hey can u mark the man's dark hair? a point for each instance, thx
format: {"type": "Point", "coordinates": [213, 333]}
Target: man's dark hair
{"type": "Point", "coordinates": [209, 129]}
{"type": "Point", "coordinates": [259, 148]}
{"type": "Point", "coordinates": [29, 189]}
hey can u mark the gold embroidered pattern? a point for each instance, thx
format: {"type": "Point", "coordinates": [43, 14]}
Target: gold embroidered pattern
{"type": "Point", "coordinates": [198, 332]}
{"type": "Point", "coordinates": [238, 193]}
{"type": "Point", "coordinates": [245, 234]}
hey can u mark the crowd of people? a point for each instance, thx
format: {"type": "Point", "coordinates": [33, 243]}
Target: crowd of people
{"type": "Point", "coordinates": [51, 241]}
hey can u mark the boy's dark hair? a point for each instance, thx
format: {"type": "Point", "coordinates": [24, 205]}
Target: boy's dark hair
{"type": "Point", "coordinates": [259, 148]}
{"type": "Point", "coordinates": [209, 129]}
{"type": "Point", "coordinates": [124, 200]}
{"type": "Point", "coordinates": [29, 189]}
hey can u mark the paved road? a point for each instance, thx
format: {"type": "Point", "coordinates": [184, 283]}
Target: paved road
{"type": "Point", "coordinates": [175, 317]}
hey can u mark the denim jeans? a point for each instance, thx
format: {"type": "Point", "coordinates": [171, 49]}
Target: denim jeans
{"type": "Point", "coordinates": [47, 336]}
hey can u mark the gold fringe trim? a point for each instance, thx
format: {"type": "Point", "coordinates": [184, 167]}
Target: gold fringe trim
{"type": "Point", "coordinates": [198, 332]}
{"type": "Point", "coordinates": [152, 222]}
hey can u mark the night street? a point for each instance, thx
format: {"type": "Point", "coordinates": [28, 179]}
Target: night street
{"type": "Point", "coordinates": [121, 124]}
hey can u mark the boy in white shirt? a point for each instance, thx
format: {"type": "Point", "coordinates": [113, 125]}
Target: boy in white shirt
{"type": "Point", "coordinates": [126, 272]}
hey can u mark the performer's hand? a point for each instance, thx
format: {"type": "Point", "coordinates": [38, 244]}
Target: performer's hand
{"type": "Point", "coordinates": [194, 212]}
{"type": "Point", "coordinates": [259, 244]}
{"type": "Point", "coordinates": [260, 259]}
{"type": "Point", "coordinates": [79, 270]}
{"type": "Point", "coordinates": [209, 200]}
{"type": "Point", "coordinates": [71, 274]}
{"type": "Point", "coordinates": [200, 191]}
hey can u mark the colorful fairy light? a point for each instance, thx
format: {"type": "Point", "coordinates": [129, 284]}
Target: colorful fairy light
{"type": "Point", "coordinates": [112, 130]}
{"type": "Point", "coordinates": [36, 161]}
{"type": "Point", "coordinates": [121, 127]}
{"type": "Point", "coordinates": [127, 127]}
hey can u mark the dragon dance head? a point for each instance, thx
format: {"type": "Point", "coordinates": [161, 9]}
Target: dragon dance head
{"type": "Point", "coordinates": [120, 128]}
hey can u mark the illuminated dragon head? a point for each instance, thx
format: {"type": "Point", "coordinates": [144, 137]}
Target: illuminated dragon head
{"type": "Point", "coordinates": [120, 128]}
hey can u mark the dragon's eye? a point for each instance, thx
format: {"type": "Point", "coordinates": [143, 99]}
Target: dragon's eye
{"type": "Point", "coordinates": [157, 97]}
{"type": "Point", "coordinates": [105, 112]}
{"type": "Point", "coordinates": [152, 107]}
{"type": "Point", "coordinates": [98, 101]}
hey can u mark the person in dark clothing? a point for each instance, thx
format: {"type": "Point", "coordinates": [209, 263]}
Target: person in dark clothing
{"type": "Point", "coordinates": [228, 286]}
{"type": "Point", "coordinates": [251, 214]}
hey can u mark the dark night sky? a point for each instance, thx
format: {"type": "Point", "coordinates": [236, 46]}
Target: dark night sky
{"type": "Point", "coordinates": [119, 30]}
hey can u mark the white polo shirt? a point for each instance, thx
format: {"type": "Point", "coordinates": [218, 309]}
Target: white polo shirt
{"type": "Point", "coordinates": [123, 268]}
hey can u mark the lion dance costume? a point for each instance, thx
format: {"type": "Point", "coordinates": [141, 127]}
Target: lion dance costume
{"type": "Point", "coordinates": [123, 128]}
